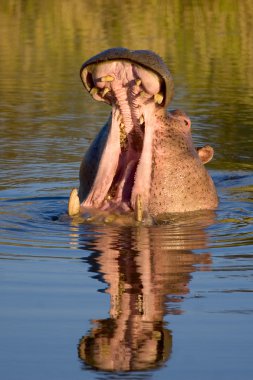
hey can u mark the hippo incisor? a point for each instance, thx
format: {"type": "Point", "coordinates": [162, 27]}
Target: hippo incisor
{"type": "Point", "coordinates": [143, 159]}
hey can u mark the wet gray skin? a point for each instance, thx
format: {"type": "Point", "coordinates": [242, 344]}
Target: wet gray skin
{"type": "Point", "coordinates": [143, 159]}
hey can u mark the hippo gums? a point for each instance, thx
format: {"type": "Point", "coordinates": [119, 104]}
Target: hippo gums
{"type": "Point", "coordinates": [143, 160]}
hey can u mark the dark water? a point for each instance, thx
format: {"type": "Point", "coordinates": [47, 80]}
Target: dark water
{"type": "Point", "coordinates": [79, 300]}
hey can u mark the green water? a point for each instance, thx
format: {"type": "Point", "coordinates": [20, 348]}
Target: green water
{"type": "Point", "coordinates": [169, 301]}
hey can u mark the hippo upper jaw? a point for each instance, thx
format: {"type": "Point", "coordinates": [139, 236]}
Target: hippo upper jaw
{"type": "Point", "coordinates": [136, 96]}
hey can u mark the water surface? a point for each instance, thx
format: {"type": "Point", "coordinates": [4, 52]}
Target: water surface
{"type": "Point", "coordinates": [105, 302]}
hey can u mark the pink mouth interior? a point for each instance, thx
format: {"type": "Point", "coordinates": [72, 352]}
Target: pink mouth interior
{"type": "Point", "coordinates": [125, 167]}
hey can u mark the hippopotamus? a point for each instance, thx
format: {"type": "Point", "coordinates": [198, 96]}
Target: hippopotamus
{"type": "Point", "coordinates": [143, 160]}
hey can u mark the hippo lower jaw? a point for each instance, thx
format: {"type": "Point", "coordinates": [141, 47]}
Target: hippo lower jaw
{"type": "Point", "coordinates": [123, 177]}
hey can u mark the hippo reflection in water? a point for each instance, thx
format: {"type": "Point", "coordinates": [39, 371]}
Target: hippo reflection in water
{"type": "Point", "coordinates": [147, 272]}
{"type": "Point", "coordinates": [143, 159]}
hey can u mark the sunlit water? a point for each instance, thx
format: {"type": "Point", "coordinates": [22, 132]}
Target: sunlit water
{"type": "Point", "coordinates": [166, 301]}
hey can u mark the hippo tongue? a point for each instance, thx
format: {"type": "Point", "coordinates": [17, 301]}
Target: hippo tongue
{"type": "Point", "coordinates": [124, 172]}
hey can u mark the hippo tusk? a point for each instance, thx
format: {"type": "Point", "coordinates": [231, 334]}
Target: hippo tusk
{"type": "Point", "coordinates": [107, 78]}
{"type": "Point", "coordinates": [138, 208]}
{"type": "Point", "coordinates": [74, 203]}
{"type": "Point", "coordinates": [158, 98]}
{"type": "Point", "coordinates": [94, 91]}
{"type": "Point", "coordinates": [105, 91]}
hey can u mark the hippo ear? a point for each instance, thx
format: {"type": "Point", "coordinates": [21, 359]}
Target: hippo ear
{"type": "Point", "coordinates": [205, 153]}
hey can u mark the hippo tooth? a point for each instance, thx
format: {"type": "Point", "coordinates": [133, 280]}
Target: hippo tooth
{"type": "Point", "coordinates": [105, 91]}
{"type": "Point", "coordinates": [94, 91]}
{"type": "Point", "coordinates": [158, 98]}
{"type": "Point", "coordinates": [138, 208]}
{"type": "Point", "coordinates": [107, 78]}
{"type": "Point", "coordinates": [141, 120]}
{"type": "Point", "coordinates": [138, 81]}
{"type": "Point", "coordinates": [123, 135]}
{"type": "Point", "coordinates": [74, 203]}
{"type": "Point", "coordinates": [119, 117]}
{"type": "Point", "coordinates": [109, 218]}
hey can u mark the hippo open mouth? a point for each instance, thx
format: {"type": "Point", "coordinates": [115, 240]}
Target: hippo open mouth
{"type": "Point", "coordinates": [144, 158]}
{"type": "Point", "coordinates": [137, 85]}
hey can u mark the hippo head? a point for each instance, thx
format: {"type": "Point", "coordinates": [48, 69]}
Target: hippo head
{"type": "Point", "coordinates": [144, 157]}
